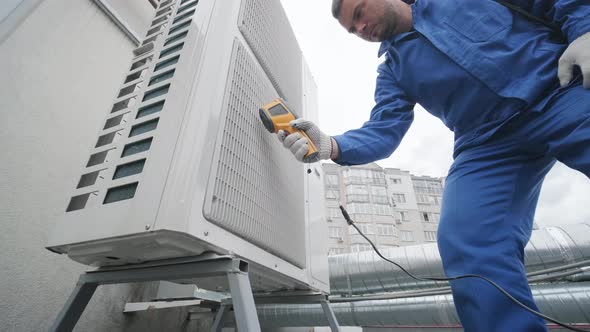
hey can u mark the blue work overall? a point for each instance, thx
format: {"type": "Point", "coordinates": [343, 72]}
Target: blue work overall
{"type": "Point", "coordinates": [490, 75]}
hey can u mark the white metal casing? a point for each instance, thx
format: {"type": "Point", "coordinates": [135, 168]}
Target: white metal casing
{"type": "Point", "coordinates": [182, 164]}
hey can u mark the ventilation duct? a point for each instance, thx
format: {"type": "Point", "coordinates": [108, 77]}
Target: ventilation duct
{"type": "Point", "coordinates": [367, 273]}
{"type": "Point", "coordinates": [566, 302]}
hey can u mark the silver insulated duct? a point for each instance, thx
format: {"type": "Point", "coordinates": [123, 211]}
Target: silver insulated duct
{"type": "Point", "coordinates": [566, 302]}
{"type": "Point", "coordinates": [367, 273]}
{"type": "Point", "coordinates": [557, 254]}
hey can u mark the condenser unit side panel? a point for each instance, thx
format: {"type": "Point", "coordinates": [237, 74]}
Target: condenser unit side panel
{"type": "Point", "coordinates": [265, 26]}
{"type": "Point", "coordinates": [183, 46]}
{"type": "Point", "coordinates": [317, 228]}
{"type": "Point", "coordinates": [119, 190]}
{"type": "Point", "coordinates": [192, 149]}
{"type": "Point", "coordinates": [255, 188]}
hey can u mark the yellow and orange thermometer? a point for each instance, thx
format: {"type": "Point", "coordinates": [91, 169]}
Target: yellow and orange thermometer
{"type": "Point", "coordinates": [277, 116]}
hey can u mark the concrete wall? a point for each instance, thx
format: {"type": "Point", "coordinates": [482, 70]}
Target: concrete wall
{"type": "Point", "coordinates": [61, 67]}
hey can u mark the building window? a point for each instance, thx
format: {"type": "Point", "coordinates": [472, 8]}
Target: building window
{"type": "Point", "coordinates": [335, 232]}
{"type": "Point", "coordinates": [358, 247]}
{"type": "Point", "coordinates": [363, 208]}
{"type": "Point", "coordinates": [356, 176]}
{"type": "Point", "coordinates": [332, 180]}
{"type": "Point", "coordinates": [357, 193]}
{"type": "Point", "coordinates": [385, 229]}
{"type": "Point", "coordinates": [332, 194]}
{"type": "Point", "coordinates": [430, 217]}
{"type": "Point", "coordinates": [435, 187]}
{"type": "Point", "coordinates": [396, 181]}
{"type": "Point", "coordinates": [427, 186]}
{"type": "Point", "coordinates": [436, 200]}
{"type": "Point", "coordinates": [379, 195]}
{"type": "Point", "coordinates": [361, 217]}
{"type": "Point", "coordinates": [403, 216]}
{"type": "Point", "coordinates": [334, 213]}
{"type": "Point", "coordinates": [424, 199]}
{"type": "Point", "coordinates": [367, 229]}
{"type": "Point", "coordinates": [378, 191]}
{"type": "Point", "coordinates": [380, 200]}
{"type": "Point", "coordinates": [363, 176]}
{"type": "Point", "coordinates": [398, 198]}
{"type": "Point", "coordinates": [406, 236]}
{"type": "Point", "coordinates": [420, 186]}
{"type": "Point", "coordinates": [337, 251]}
{"type": "Point", "coordinates": [381, 210]}
{"type": "Point", "coordinates": [430, 236]}
{"type": "Point", "coordinates": [355, 189]}
{"type": "Point", "coordinates": [358, 198]}
{"type": "Point", "coordinates": [378, 178]}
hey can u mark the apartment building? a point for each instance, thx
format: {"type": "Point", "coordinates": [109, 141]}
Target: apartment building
{"type": "Point", "coordinates": [391, 206]}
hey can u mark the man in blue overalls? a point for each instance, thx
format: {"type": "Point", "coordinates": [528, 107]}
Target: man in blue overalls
{"type": "Point", "coordinates": [511, 91]}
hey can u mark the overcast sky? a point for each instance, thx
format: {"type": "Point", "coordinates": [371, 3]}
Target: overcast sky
{"type": "Point", "coordinates": [344, 68]}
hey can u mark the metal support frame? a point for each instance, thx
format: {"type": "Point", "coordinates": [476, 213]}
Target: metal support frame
{"type": "Point", "coordinates": [286, 298]}
{"type": "Point", "coordinates": [220, 317]}
{"type": "Point", "coordinates": [330, 316]}
{"type": "Point", "coordinates": [236, 270]}
{"type": "Point", "coordinates": [243, 302]}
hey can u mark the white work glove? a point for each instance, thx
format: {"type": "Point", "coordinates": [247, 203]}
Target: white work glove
{"type": "Point", "coordinates": [577, 53]}
{"type": "Point", "coordinates": [298, 146]}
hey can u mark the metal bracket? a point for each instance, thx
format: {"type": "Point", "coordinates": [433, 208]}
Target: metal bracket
{"type": "Point", "coordinates": [142, 306]}
{"type": "Point", "coordinates": [236, 271]}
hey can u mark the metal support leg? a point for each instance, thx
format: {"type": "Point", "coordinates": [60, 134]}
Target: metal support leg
{"type": "Point", "coordinates": [205, 267]}
{"type": "Point", "coordinates": [243, 301]}
{"type": "Point", "coordinates": [330, 316]}
{"type": "Point", "coordinates": [220, 318]}
{"type": "Point", "coordinates": [74, 307]}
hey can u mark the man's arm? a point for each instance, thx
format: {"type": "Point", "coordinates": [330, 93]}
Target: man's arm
{"type": "Point", "coordinates": [380, 136]}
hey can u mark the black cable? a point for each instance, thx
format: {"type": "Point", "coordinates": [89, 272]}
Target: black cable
{"type": "Point", "coordinates": [498, 287]}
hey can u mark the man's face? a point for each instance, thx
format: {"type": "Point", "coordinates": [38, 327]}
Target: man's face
{"type": "Point", "coordinates": [371, 20]}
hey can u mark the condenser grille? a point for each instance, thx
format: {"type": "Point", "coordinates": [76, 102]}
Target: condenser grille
{"type": "Point", "coordinates": [258, 188]}
{"type": "Point", "coordinates": [264, 26]}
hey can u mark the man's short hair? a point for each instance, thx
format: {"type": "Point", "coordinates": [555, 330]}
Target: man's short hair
{"type": "Point", "coordinates": [336, 6]}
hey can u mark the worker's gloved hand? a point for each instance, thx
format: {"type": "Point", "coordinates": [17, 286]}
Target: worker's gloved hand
{"type": "Point", "coordinates": [577, 53]}
{"type": "Point", "coordinates": [297, 144]}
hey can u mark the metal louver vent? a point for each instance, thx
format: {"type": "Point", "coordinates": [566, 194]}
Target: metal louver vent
{"type": "Point", "coordinates": [136, 111]}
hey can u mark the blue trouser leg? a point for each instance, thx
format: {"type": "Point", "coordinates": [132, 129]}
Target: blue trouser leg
{"type": "Point", "coordinates": [488, 209]}
{"type": "Point", "coordinates": [486, 221]}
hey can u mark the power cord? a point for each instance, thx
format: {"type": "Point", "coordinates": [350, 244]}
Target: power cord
{"type": "Point", "coordinates": [464, 276]}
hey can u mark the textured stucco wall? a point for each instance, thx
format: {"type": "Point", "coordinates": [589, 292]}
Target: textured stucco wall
{"type": "Point", "coordinates": [61, 68]}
